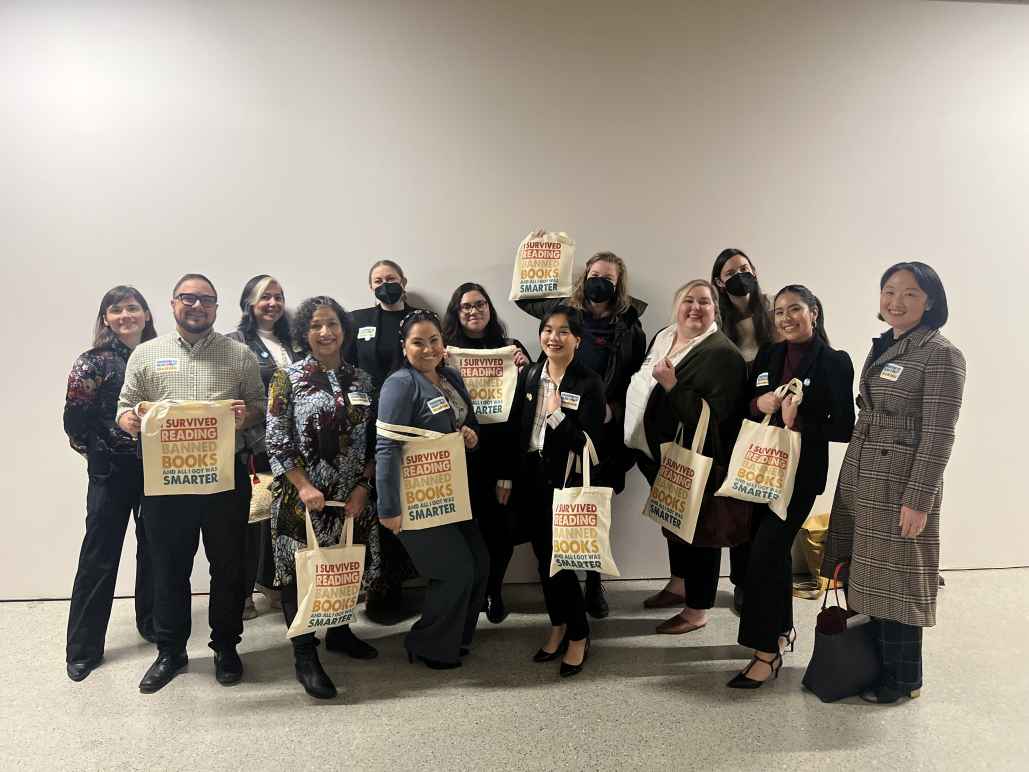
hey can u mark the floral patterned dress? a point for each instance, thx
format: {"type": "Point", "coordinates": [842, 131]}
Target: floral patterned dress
{"type": "Point", "coordinates": [320, 421]}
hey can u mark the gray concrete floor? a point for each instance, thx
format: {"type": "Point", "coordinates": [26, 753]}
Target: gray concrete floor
{"type": "Point", "coordinates": [644, 702]}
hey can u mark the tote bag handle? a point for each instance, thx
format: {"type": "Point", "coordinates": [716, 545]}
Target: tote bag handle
{"type": "Point", "coordinates": [405, 433]}
{"type": "Point", "coordinates": [834, 585]}
{"type": "Point", "coordinates": [346, 538]}
{"type": "Point", "coordinates": [794, 387]}
{"type": "Point", "coordinates": [589, 454]}
{"type": "Point", "coordinates": [700, 434]}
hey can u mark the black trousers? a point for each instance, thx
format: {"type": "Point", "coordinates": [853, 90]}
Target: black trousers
{"type": "Point", "coordinates": [493, 520]}
{"type": "Point", "coordinates": [768, 585]}
{"type": "Point", "coordinates": [174, 526]}
{"type": "Point", "coordinates": [114, 492]}
{"type": "Point", "coordinates": [697, 567]}
{"type": "Point", "coordinates": [900, 647]}
{"type": "Point", "coordinates": [260, 562]}
{"type": "Point", "coordinates": [562, 593]}
{"type": "Point", "coordinates": [455, 561]}
{"type": "Point", "coordinates": [739, 557]}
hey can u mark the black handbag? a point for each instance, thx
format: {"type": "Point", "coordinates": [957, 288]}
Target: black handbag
{"type": "Point", "coordinates": [846, 659]}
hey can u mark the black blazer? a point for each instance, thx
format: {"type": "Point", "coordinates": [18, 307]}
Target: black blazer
{"type": "Point", "coordinates": [380, 354]}
{"type": "Point", "coordinates": [588, 417]}
{"type": "Point", "coordinates": [713, 370]}
{"type": "Point", "coordinates": [265, 361]}
{"type": "Point", "coordinates": [827, 412]}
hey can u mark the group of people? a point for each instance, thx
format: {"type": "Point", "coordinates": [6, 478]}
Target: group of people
{"type": "Point", "coordinates": [308, 388]}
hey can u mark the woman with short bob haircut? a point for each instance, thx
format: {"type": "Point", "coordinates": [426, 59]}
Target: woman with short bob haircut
{"type": "Point", "coordinates": [885, 518]}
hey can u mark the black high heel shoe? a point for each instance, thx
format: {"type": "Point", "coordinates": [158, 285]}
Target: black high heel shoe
{"type": "Point", "coordinates": [740, 680]}
{"type": "Point", "coordinates": [542, 655]}
{"type": "Point", "coordinates": [788, 639]}
{"type": "Point", "coordinates": [570, 670]}
{"type": "Point", "coordinates": [434, 664]}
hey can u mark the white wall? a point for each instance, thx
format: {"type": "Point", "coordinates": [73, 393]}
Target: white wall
{"type": "Point", "coordinates": [827, 139]}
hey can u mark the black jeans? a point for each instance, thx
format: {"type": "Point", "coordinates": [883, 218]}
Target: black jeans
{"type": "Point", "coordinates": [561, 592]}
{"type": "Point", "coordinates": [174, 525]}
{"type": "Point", "coordinates": [115, 489]}
{"type": "Point", "coordinates": [768, 585]}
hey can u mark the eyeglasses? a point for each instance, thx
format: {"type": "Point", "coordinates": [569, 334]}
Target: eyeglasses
{"type": "Point", "coordinates": [479, 305]}
{"type": "Point", "coordinates": [189, 299]}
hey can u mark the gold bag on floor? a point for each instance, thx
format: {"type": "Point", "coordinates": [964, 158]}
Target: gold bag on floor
{"type": "Point", "coordinates": [581, 522]}
{"type": "Point", "coordinates": [328, 579]}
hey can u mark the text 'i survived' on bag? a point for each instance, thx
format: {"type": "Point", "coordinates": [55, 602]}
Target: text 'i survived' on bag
{"type": "Point", "coordinates": [188, 448]}
{"type": "Point", "coordinates": [490, 376]}
{"type": "Point", "coordinates": [678, 490]}
{"type": "Point", "coordinates": [846, 657]}
{"type": "Point", "coordinates": [328, 579]}
{"type": "Point", "coordinates": [543, 267]}
{"type": "Point", "coordinates": [433, 476]}
{"type": "Point", "coordinates": [764, 460]}
{"type": "Point", "coordinates": [581, 522]}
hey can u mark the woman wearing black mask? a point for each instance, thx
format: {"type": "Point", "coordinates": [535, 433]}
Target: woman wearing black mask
{"type": "Point", "coordinates": [747, 322]}
{"type": "Point", "coordinates": [613, 346]}
{"type": "Point", "coordinates": [373, 348]}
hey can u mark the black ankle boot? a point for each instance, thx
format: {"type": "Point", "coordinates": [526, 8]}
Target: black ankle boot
{"type": "Point", "coordinates": [311, 676]}
{"type": "Point", "coordinates": [342, 640]}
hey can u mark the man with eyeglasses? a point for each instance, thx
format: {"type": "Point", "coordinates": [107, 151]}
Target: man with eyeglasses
{"type": "Point", "coordinates": [195, 363]}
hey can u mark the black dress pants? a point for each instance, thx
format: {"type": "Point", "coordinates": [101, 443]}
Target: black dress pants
{"type": "Point", "coordinates": [174, 526]}
{"type": "Point", "coordinates": [455, 561]}
{"type": "Point", "coordinates": [493, 521]}
{"type": "Point", "coordinates": [768, 586]}
{"type": "Point", "coordinates": [562, 593]}
{"type": "Point", "coordinates": [697, 567]}
{"type": "Point", "coordinates": [115, 490]}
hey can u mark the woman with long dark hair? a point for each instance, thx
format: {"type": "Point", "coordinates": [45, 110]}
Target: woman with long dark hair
{"type": "Point", "coordinates": [264, 329]}
{"type": "Point", "coordinates": [613, 345]}
{"type": "Point", "coordinates": [471, 322]}
{"type": "Point", "coordinates": [426, 394]}
{"type": "Point", "coordinates": [115, 478]}
{"type": "Point", "coordinates": [825, 414]}
{"type": "Point", "coordinates": [747, 321]}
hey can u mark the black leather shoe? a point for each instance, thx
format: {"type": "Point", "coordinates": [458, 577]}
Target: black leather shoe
{"type": "Point", "coordinates": [313, 677]}
{"type": "Point", "coordinates": [164, 669]}
{"type": "Point", "coordinates": [542, 655]}
{"type": "Point", "coordinates": [737, 599]}
{"type": "Point", "coordinates": [742, 681]}
{"type": "Point", "coordinates": [386, 608]}
{"type": "Point", "coordinates": [596, 602]}
{"type": "Point", "coordinates": [342, 640]}
{"type": "Point", "coordinates": [77, 671]}
{"type": "Point", "coordinates": [496, 611]}
{"type": "Point", "coordinates": [570, 670]}
{"type": "Point", "coordinates": [228, 667]}
{"type": "Point", "coordinates": [434, 664]}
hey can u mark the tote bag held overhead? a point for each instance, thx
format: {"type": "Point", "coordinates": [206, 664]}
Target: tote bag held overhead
{"type": "Point", "coordinates": [582, 522]}
{"type": "Point", "coordinates": [543, 267]}
{"type": "Point", "coordinates": [188, 448]}
{"type": "Point", "coordinates": [433, 475]}
{"type": "Point", "coordinates": [328, 580]}
{"type": "Point", "coordinates": [764, 460]}
{"type": "Point", "coordinates": [678, 491]}
{"type": "Point", "coordinates": [491, 377]}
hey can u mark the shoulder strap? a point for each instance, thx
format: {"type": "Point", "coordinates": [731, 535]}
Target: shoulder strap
{"type": "Point", "coordinates": [404, 433]}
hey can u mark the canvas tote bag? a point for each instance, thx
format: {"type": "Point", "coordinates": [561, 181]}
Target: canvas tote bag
{"type": "Point", "coordinates": [581, 522]}
{"type": "Point", "coordinates": [260, 494]}
{"type": "Point", "coordinates": [543, 267]}
{"type": "Point", "coordinates": [328, 579]}
{"type": "Point", "coordinates": [433, 476]}
{"type": "Point", "coordinates": [678, 491]}
{"type": "Point", "coordinates": [490, 376]}
{"type": "Point", "coordinates": [764, 460]}
{"type": "Point", "coordinates": [188, 448]}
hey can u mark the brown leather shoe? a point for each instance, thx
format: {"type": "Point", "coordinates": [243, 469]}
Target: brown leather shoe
{"type": "Point", "coordinates": [677, 625]}
{"type": "Point", "coordinates": [665, 599]}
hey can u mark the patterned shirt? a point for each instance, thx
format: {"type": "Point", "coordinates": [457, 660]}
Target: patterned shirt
{"type": "Point", "coordinates": [214, 367]}
{"type": "Point", "coordinates": [92, 399]}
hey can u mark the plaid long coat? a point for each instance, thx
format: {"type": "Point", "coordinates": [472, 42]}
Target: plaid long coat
{"type": "Point", "coordinates": [909, 399]}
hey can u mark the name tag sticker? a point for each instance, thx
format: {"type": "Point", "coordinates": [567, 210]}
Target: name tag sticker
{"type": "Point", "coordinates": [365, 333]}
{"type": "Point", "coordinates": [358, 398]}
{"type": "Point", "coordinates": [166, 365]}
{"type": "Point", "coordinates": [762, 380]}
{"type": "Point", "coordinates": [569, 400]}
{"type": "Point", "coordinates": [891, 372]}
{"type": "Point", "coordinates": [437, 405]}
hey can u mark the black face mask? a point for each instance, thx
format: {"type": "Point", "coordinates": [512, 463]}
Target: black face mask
{"type": "Point", "coordinates": [389, 292]}
{"type": "Point", "coordinates": [740, 284]}
{"type": "Point", "coordinates": [599, 290]}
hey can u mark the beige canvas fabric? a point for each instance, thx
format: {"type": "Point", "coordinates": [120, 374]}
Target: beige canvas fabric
{"type": "Point", "coordinates": [328, 580]}
{"type": "Point", "coordinates": [678, 490]}
{"type": "Point", "coordinates": [543, 267]}
{"type": "Point", "coordinates": [581, 522]}
{"type": "Point", "coordinates": [764, 461]}
{"type": "Point", "coordinates": [260, 497]}
{"type": "Point", "coordinates": [434, 476]}
{"type": "Point", "coordinates": [490, 376]}
{"type": "Point", "coordinates": [188, 448]}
